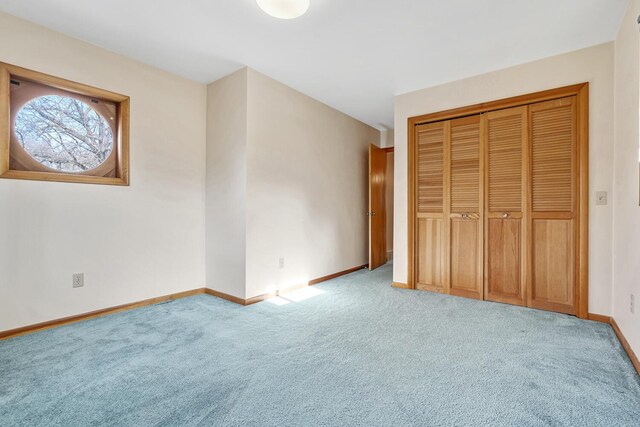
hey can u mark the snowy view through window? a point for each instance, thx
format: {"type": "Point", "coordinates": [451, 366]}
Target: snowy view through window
{"type": "Point", "coordinates": [63, 133]}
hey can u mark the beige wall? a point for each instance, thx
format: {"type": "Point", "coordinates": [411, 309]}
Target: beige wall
{"type": "Point", "coordinates": [286, 178]}
{"type": "Point", "coordinates": [308, 191]}
{"type": "Point", "coordinates": [593, 65]}
{"type": "Point", "coordinates": [306, 187]}
{"type": "Point", "coordinates": [133, 242]}
{"type": "Point", "coordinates": [626, 248]}
{"type": "Point", "coordinates": [226, 184]}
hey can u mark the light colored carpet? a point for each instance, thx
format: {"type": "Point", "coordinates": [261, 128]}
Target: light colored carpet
{"type": "Point", "coordinates": [358, 353]}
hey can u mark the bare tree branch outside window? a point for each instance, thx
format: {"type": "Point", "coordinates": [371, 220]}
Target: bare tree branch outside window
{"type": "Point", "coordinates": [63, 133]}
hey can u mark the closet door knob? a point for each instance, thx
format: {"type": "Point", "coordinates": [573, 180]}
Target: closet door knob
{"type": "Point", "coordinates": [465, 215]}
{"type": "Point", "coordinates": [505, 215]}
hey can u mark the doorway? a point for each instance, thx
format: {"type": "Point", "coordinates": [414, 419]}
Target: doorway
{"type": "Point", "coordinates": [380, 211]}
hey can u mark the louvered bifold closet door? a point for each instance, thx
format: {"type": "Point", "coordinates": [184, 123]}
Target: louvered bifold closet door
{"type": "Point", "coordinates": [465, 246]}
{"type": "Point", "coordinates": [506, 163]}
{"type": "Point", "coordinates": [553, 205]}
{"type": "Point", "coordinates": [430, 240]}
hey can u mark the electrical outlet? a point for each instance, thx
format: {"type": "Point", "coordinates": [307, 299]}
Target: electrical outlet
{"type": "Point", "coordinates": [601, 198]}
{"type": "Point", "coordinates": [78, 280]}
{"type": "Point", "coordinates": [281, 262]}
{"type": "Point", "coordinates": [632, 304]}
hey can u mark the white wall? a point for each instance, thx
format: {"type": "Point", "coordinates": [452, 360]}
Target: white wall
{"type": "Point", "coordinates": [626, 247]}
{"type": "Point", "coordinates": [593, 65]}
{"type": "Point", "coordinates": [386, 138]}
{"type": "Point", "coordinates": [226, 185]}
{"type": "Point", "coordinates": [133, 242]}
{"type": "Point", "coordinates": [306, 187]}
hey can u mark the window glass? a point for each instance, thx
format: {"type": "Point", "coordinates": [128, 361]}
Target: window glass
{"type": "Point", "coordinates": [64, 133]}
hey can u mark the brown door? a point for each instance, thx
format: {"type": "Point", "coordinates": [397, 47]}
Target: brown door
{"type": "Point", "coordinates": [431, 141]}
{"type": "Point", "coordinates": [506, 161]}
{"type": "Point", "coordinates": [553, 205]}
{"type": "Point", "coordinates": [465, 247]}
{"type": "Point", "coordinates": [377, 207]}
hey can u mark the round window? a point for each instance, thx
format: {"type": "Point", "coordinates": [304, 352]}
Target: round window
{"type": "Point", "coordinates": [63, 133]}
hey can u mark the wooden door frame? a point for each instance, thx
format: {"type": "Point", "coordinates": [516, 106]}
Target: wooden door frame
{"type": "Point", "coordinates": [581, 92]}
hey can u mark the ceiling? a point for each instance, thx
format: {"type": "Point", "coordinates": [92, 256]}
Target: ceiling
{"type": "Point", "coordinates": [353, 55]}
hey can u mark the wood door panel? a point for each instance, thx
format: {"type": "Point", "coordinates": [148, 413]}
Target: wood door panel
{"type": "Point", "coordinates": [506, 207]}
{"type": "Point", "coordinates": [466, 259]}
{"type": "Point", "coordinates": [504, 282]}
{"type": "Point", "coordinates": [554, 196]}
{"type": "Point", "coordinates": [553, 155]}
{"type": "Point", "coordinates": [430, 254]}
{"type": "Point", "coordinates": [465, 230]}
{"type": "Point", "coordinates": [465, 165]}
{"type": "Point", "coordinates": [377, 207]}
{"type": "Point", "coordinates": [505, 135]}
{"type": "Point", "coordinates": [430, 167]}
{"type": "Point", "coordinates": [553, 265]}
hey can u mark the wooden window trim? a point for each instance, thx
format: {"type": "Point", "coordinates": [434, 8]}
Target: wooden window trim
{"type": "Point", "coordinates": [7, 71]}
{"type": "Point", "coordinates": [581, 91]}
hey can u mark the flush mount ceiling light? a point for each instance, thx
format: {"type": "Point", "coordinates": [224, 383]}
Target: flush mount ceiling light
{"type": "Point", "coordinates": [284, 9]}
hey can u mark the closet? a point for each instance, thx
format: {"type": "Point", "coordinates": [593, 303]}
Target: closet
{"type": "Point", "coordinates": [498, 201]}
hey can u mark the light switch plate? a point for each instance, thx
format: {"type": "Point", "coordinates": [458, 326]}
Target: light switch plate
{"type": "Point", "coordinates": [601, 198]}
